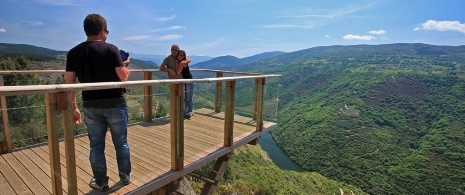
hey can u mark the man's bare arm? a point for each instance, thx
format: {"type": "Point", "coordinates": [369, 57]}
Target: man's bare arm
{"type": "Point", "coordinates": [123, 72]}
{"type": "Point", "coordinates": [71, 79]}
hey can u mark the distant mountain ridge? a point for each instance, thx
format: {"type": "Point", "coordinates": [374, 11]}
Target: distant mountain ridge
{"type": "Point", "coordinates": [203, 62]}
{"type": "Point", "coordinates": [159, 58]}
{"type": "Point", "coordinates": [31, 50]}
{"type": "Point", "coordinates": [232, 63]}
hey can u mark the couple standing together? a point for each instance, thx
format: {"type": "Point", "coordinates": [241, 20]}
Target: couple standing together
{"type": "Point", "coordinates": [177, 66]}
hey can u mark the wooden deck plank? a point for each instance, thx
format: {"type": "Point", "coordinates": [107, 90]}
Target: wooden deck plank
{"type": "Point", "coordinates": [81, 184]}
{"type": "Point", "coordinates": [13, 178]}
{"type": "Point", "coordinates": [44, 165]}
{"type": "Point", "coordinates": [191, 151]}
{"type": "Point", "coordinates": [35, 186]}
{"type": "Point", "coordinates": [11, 185]}
{"type": "Point", "coordinates": [159, 147]}
{"type": "Point", "coordinates": [4, 185]}
{"type": "Point", "coordinates": [36, 171]}
{"type": "Point", "coordinates": [40, 152]}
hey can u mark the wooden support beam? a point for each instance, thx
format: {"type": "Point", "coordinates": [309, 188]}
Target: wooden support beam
{"type": "Point", "coordinates": [229, 112]}
{"type": "Point", "coordinates": [258, 107]}
{"type": "Point", "coordinates": [177, 126]}
{"type": "Point", "coordinates": [148, 102]}
{"type": "Point", "coordinates": [215, 175]}
{"type": "Point", "coordinates": [219, 93]}
{"type": "Point", "coordinates": [7, 146]}
{"type": "Point", "coordinates": [260, 88]}
{"type": "Point", "coordinates": [64, 104]}
{"type": "Point", "coordinates": [205, 179]}
{"type": "Point", "coordinates": [160, 191]}
{"type": "Point", "coordinates": [53, 139]}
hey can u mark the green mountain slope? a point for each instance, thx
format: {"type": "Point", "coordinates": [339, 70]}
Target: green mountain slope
{"type": "Point", "coordinates": [388, 118]}
{"type": "Point", "coordinates": [250, 171]}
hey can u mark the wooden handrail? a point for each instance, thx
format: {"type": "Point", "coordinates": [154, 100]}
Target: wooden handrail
{"type": "Point", "coordinates": [6, 72]}
{"type": "Point", "coordinates": [40, 89]}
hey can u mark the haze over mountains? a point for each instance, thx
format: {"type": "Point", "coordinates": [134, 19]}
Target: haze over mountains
{"type": "Point", "coordinates": [200, 62]}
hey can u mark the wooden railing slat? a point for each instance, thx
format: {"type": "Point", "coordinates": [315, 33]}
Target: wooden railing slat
{"type": "Point", "coordinates": [6, 124]}
{"type": "Point", "coordinates": [53, 139]}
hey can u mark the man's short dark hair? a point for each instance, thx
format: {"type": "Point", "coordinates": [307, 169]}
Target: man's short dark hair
{"type": "Point", "coordinates": [94, 23]}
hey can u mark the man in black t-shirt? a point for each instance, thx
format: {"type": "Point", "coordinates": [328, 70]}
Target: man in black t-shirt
{"type": "Point", "coordinates": [97, 61]}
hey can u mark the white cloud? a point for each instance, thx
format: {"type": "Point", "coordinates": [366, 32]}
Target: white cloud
{"type": "Point", "coordinates": [176, 27]}
{"type": "Point", "coordinates": [163, 19]}
{"type": "Point", "coordinates": [35, 23]}
{"type": "Point", "coordinates": [358, 37]}
{"type": "Point", "coordinates": [378, 32]}
{"type": "Point", "coordinates": [170, 37]}
{"type": "Point", "coordinates": [327, 36]}
{"type": "Point", "coordinates": [340, 12]}
{"type": "Point", "coordinates": [442, 26]}
{"type": "Point", "coordinates": [309, 15]}
{"type": "Point", "coordinates": [138, 37]}
{"type": "Point", "coordinates": [145, 37]}
{"type": "Point", "coordinates": [2, 30]}
{"type": "Point", "coordinates": [57, 2]}
{"type": "Point", "coordinates": [170, 28]}
{"type": "Point", "coordinates": [286, 26]}
{"type": "Point", "coordinates": [31, 23]}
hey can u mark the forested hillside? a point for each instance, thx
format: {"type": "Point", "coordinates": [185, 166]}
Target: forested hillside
{"type": "Point", "coordinates": [387, 118]}
{"type": "Point", "coordinates": [250, 171]}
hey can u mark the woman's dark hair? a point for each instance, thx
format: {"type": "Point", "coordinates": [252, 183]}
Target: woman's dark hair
{"type": "Point", "coordinates": [94, 23]}
{"type": "Point", "coordinates": [183, 52]}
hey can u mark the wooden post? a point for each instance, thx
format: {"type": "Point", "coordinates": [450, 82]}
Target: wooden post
{"type": "Point", "coordinates": [218, 95]}
{"type": "Point", "coordinates": [64, 104]}
{"type": "Point", "coordinates": [229, 112]}
{"type": "Point", "coordinates": [177, 126]}
{"type": "Point", "coordinates": [6, 123]}
{"type": "Point", "coordinates": [53, 139]}
{"type": "Point", "coordinates": [260, 86]}
{"type": "Point", "coordinates": [148, 98]}
{"type": "Point", "coordinates": [258, 107]}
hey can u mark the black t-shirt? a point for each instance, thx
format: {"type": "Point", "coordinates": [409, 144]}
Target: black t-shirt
{"type": "Point", "coordinates": [186, 73]}
{"type": "Point", "coordinates": [95, 61]}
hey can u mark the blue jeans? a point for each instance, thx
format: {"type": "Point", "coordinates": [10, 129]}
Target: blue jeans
{"type": "Point", "coordinates": [98, 120]}
{"type": "Point", "coordinates": [189, 99]}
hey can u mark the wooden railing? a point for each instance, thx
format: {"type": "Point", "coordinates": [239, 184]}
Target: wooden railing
{"type": "Point", "coordinates": [57, 99]}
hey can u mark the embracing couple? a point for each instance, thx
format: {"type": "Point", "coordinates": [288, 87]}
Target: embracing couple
{"type": "Point", "coordinates": [177, 66]}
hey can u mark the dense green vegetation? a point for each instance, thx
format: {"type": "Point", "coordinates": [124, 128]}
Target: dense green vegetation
{"type": "Point", "coordinates": [27, 121]}
{"type": "Point", "coordinates": [249, 172]}
{"type": "Point", "coordinates": [388, 119]}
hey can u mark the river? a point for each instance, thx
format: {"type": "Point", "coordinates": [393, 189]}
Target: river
{"type": "Point", "coordinates": [278, 156]}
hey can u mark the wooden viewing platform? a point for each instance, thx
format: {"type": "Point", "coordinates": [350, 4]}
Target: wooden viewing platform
{"type": "Point", "coordinates": [27, 170]}
{"type": "Point", "coordinates": [162, 150]}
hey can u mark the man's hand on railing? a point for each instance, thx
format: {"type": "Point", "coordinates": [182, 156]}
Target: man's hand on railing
{"type": "Point", "coordinates": [77, 116]}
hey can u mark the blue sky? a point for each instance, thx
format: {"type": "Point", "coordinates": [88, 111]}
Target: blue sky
{"type": "Point", "coordinates": [234, 27]}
